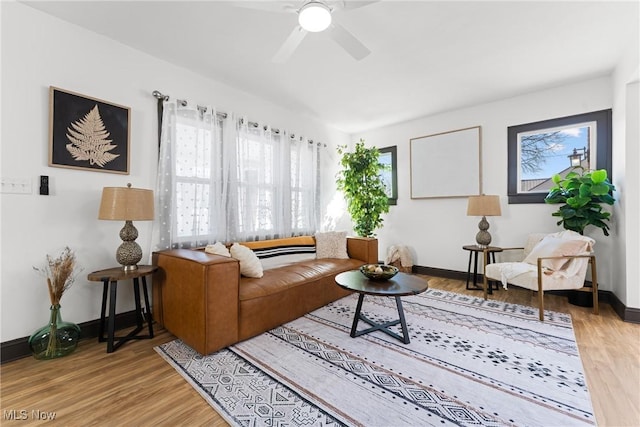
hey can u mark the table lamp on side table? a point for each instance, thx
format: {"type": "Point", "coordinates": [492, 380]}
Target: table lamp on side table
{"type": "Point", "coordinates": [483, 206]}
{"type": "Point", "coordinates": [127, 204]}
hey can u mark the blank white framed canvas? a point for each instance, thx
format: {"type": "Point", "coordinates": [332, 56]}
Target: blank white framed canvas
{"type": "Point", "coordinates": [446, 164]}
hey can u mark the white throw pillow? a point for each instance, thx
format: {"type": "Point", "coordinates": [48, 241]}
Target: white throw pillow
{"type": "Point", "coordinates": [556, 246]}
{"type": "Point", "coordinates": [250, 265]}
{"type": "Point", "coordinates": [331, 244]}
{"type": "Point", "coordinates": [217, 248]}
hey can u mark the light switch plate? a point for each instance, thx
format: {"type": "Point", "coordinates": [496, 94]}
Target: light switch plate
{"type": "Point", "coordinates": [16, 186]}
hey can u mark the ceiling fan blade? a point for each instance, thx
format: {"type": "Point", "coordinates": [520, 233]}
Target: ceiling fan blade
{"type": "Point", "coordinates": [289, 46]}
{"type": "Point", "coordinates": [348, 42]}
{"type": "Point", "coordinates": [351, 4]}
{"type": "Point", "coordinates": [268, 6]}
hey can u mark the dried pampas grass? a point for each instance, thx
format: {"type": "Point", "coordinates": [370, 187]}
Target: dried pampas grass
{"type": "Point", "coordinates": [60, 273]}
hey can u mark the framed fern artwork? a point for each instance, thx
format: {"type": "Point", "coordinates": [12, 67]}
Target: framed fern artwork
{"type": "Point", "coordinates": [88, 133]}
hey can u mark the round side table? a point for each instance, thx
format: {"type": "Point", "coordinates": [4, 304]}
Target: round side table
{"type": "Point", "coordinates": [474, 250]}
{"type": "Point", "coordinates": [110, 278]}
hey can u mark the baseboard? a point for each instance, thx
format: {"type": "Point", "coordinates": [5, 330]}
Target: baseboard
{"type": "Point", "coordinates": [19, 347]}
{"type": "Point", "coordinates": [631, 315]}
{"type": "Point", "coordinates": [627, 314]}
{"type": "Point", "coordinates": [440, 272]}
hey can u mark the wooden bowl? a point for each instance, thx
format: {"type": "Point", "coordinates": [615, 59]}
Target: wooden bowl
{"type": "Point", "coordinates": [379, 272]}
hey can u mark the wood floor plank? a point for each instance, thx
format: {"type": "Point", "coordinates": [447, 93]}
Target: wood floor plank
{"type": "Point", "coordinates": [135, 386]}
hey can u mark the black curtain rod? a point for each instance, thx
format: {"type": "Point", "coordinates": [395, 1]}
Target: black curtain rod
{"type": "Point", "coordinates": [159, 95]}
{"type": "Point", "coordinates": [203, 110]}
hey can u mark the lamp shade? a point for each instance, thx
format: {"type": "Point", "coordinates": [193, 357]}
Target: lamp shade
{"type": "Point", "coordinates": [314, 16]}
{"type": "Point", "coordinates": [484, 206]}
{"type": "Point", "coordinates": [126, 204]}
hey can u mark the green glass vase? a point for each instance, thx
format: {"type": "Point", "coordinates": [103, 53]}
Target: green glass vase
{"type": "Point", "coordinates": [57, 339]}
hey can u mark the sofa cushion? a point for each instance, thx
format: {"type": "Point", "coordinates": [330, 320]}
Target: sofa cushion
{"type": "Point", "coordinates": [331, 244]}
{"type": "Point", "coordinates": [217, 248]}
{"type": "Point", "coordinates": [298, 274]}
{"type": "Point", "coordinates": [276, 253]}
{"type": "Point", "coordinates": [250, 265]}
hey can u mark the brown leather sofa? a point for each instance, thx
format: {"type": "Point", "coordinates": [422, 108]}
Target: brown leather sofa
{"type": "Point", "coordinates": [203, 300]}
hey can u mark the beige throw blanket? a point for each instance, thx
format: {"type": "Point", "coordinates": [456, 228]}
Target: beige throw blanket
{"type": "Point", "coordinates": [401, 253]}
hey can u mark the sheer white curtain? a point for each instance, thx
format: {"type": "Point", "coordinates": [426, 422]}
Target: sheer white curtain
{"type": "Point", "coordinates": [305, 186]}
{"type": "Point", "coordinates": [231, 180]}
{"type": "Point", "coordinates": [264, 184]}
{"type": "Point", "coordinates": [277, 189]}
{"type": "Point", "coordinates": [191, 195]}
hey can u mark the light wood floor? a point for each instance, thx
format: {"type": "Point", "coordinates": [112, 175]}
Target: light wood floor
{"type": "Point", "coordinates": [135, 387]}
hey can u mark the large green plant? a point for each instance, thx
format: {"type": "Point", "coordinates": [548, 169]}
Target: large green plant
{"type": "Point", "coordinates": [362, 185]}
{"type": "Point", "coordinates": [582, 193]}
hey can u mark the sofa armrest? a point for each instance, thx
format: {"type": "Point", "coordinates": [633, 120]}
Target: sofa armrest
{"type": "Point", "coordinates": [195, 297]}
{"type": "Point", "coordinates": [364, 249]}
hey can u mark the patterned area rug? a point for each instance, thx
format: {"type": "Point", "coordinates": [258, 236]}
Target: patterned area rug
{"type": "Point", "coordinates": [470, 362]}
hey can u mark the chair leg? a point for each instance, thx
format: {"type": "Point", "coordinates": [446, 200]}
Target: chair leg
{"type": "Point", "coordinates": [541, 305]}
{"type": "Point", "coordinates": [540, 291]}
{"type": "Point", "coordinates": [594, 282]}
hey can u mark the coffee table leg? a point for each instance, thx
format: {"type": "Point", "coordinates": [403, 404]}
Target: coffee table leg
{"type": "Point", "coordinates": [354, 327]}
{"type": "Point", "coordinates": [383, 327]}
{"type": "Point", "coordinates": [403, 323]}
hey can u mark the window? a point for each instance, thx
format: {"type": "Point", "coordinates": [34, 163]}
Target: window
{"type": "Point", "coordinates": [277, 187]}
{"type": "Point", "coordinates": [231, 180]}
{"type": "Point", "coordinates": [305, 212]}
{"type": "Point", "coordinates": [197, 168]}
{"type": "Point", "coordinates": [537, 151]}
{"type": "Point", "coordinates": [389, 175]}
{"type": "Point", "coordinates": [259, 183]}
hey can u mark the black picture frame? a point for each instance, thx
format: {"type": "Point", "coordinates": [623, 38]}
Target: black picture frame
{"type": "Point", "coordinates": [603, 159]}
{"type": "Point", "coordinates": [88, 133]}
{"type": "Point", "coordinates": [389, 156]}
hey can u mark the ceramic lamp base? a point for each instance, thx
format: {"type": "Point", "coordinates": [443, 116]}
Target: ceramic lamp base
{"type": "Point", "coordinates": [129, 253]}
{"type": "Point", "coordinates": [483, 238]}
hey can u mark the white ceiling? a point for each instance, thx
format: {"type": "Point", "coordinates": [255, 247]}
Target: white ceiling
{"type": "Point", "coordinates": [427, 56]}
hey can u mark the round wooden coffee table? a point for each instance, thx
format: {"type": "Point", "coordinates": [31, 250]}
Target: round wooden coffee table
{"type": "Point", "coordinates": [399, 285]}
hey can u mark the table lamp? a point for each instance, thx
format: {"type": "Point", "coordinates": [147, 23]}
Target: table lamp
{"type": "Point", "coordinates": [483, 206]}
{"type": "Point", "coordinates": [127, 204]}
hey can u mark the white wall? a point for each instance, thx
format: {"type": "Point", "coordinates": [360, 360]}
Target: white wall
{"type": "Point", "coordinates": [436, 229]}
{"type": "Point", "coordinates": [39, 51]}
{"type": "Point", "coordinates": [631, 250]}
{"type": "Point", "coordinates": [626, 158]}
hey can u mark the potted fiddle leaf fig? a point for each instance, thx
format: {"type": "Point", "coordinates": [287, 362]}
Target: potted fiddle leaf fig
{"type": "Point", "coordinates": [361, 182]}
{"type": "Point", "coordinates": [582, 194]}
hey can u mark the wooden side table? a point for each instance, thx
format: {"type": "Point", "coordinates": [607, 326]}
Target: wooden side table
{"type": "Point", "coordinates": [474, 250]}
{"type": "Point", "coordinates": [109, 279]}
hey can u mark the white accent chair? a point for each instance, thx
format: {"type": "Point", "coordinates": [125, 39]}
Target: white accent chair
{"type": "Point", "coordinates": [556, 261]}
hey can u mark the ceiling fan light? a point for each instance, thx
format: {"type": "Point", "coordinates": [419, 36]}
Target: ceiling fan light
{"type": "Point", "coordinates": [314, 16]}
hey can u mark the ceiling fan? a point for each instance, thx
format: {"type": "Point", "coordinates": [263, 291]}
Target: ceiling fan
{"type": "Point", "coordinates": [316, 16]}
